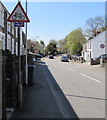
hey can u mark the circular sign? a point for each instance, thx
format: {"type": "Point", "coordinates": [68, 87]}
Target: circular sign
{"type": "Point", "coordinates": [102, 46]}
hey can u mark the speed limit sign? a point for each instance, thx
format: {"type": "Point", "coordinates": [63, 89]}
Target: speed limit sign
{"type": "Point", "coordinates": [102, 46]}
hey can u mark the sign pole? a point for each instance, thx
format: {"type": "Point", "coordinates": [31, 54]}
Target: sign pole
{"type": "Point", "coordinates": [26, 51]}
{"type": "Point", "coordinates": [19, 73]}
{"type": "Point", "coordinates": [19, 15]}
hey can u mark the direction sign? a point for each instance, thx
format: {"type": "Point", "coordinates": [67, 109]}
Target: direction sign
{"type": "Point", "coordinates": [102, 46]}
{"type": "Point", "coordinates": [18, 14]}
{"type": "Point", "coordinates": [18, 24]}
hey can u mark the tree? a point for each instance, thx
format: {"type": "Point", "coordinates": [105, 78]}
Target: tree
{"type": "Point", "coordinates": [42, 46]}
{"type": "Point", "coordinates": [94, 26]}
{"type": "Point", "coordinates": [74, 41]}
{"type": "Point", "coordinates": [76, 48]}
{"type": "Point", "coordinates": [33, 46]}
{"type": "Point", "coordinates": [62, 46]}
{"type": "Point", "coordinates": [52, 47]}
{"type": "Point", "coordinates": [42, 43]}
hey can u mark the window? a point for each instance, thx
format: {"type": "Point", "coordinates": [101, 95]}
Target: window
{"type": "Point", "coordinates": [9, 42]}
{"type": "Point", "coordinates": [2, 41]}
{"type": "Point", "coordinates": [12, 46]}
{"type": "Point", "coordinates": [12, 30]}
{"type": "Point", "coordinates": [2, 18]}
{"type": "Point", "coordinates": [16, 32]}
{"type": "Point", "coordinates": [8, 25]}
{"type": "Point", "coordinates": [16, 48]}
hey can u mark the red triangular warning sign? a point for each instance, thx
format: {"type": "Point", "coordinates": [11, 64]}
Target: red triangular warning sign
{"type": "Point", "coordinates": [18, 14]}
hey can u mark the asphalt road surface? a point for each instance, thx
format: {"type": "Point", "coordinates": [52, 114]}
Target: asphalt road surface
{"type": "Point", "coordinates": [83, 86]}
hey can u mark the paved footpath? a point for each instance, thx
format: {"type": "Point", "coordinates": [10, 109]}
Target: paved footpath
{"type": "Point", "coordinates": [38, 101]}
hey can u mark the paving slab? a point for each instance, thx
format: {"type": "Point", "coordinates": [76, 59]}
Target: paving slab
{"type": "Point", "coordinates": [38, 100]}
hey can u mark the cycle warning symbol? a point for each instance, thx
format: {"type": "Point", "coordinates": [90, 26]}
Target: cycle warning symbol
{"type": "Point", "coordinates": [18, 14]}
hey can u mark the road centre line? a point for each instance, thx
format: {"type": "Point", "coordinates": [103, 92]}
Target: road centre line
{"type": "Point", "coordinates": [90, 78]}
{"type": "Point", "coordinates": [65, 66]}
{"type": "Point", "coordinates": [59, 63]}
{"type": "Point", "coordinates": [71, 69]}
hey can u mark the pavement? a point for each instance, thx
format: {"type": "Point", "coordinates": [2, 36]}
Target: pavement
{"type": "Point", "coordinates": [39, 100]}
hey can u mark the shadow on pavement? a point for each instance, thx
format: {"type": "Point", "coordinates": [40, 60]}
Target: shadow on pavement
{"type": "Point", "coordinates": [64, 105]}
{"type": "Point", "coordinates": [45, 99]}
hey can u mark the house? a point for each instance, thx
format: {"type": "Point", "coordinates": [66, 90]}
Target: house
{"type": "Point", "coordinates": [94, 47]}
{"type": "Point", "coordinates": [9, 33]}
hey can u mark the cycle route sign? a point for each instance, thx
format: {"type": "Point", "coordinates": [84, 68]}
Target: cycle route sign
{"type": "Point", "coordinates": [18, 14]}
{"type": "Point", "coordinates": [18, 24]}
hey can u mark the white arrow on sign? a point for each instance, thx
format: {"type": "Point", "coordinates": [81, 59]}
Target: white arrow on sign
{"type": "Point", "coordinates": [18, 14]}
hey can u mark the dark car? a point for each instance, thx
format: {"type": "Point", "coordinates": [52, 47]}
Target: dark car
{"type": "Point", "coordinates": [38, 56]}
{"type": "Point", "coordinates": [75, 57]}
{"type": "Point", "coordinates": [51, 57]}
{"type": "Point", "coordinates": [103, 56]}
{"type": "Point", "coordinates": [97, 59]}
{"type": "Point", "coordinates": [64, 59]}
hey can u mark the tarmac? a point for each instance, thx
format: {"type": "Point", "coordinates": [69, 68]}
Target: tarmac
{"type": "Point", "coordinates": [42, 99]}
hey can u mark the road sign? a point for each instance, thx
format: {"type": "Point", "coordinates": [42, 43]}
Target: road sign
{"type": "Point", "coordinates": [18, 24]}
{"type": "Point", "coordinates": [18, 14]}
{"type": "Point", "coordinates": [102, 46]}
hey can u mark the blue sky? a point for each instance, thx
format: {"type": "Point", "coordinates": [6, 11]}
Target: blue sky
{"type": "Point", "coordinates": [55, 20]}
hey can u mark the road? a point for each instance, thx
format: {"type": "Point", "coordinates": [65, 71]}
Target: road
{"type": "Point", "coordinates": [83, 86]}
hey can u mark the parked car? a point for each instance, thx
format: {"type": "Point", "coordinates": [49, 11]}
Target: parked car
{"type": "Point", "coordinates": [74, 57]}
{"type": "Point", "coordinates": [38, 56]}
{"type": "Point", "coordinates": [64, 59]}
{"type": "Point", "coordinates": [103, 56]}
{"type": "Point", "coordinates": [97, 59]}
{"type": "Point", "coordinates": [51, 57]}
{"type": "Point", "coordinates": [81, 59]}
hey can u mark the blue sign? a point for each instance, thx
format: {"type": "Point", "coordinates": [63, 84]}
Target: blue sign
{"type": "Point", "coordinates": [18, 24]}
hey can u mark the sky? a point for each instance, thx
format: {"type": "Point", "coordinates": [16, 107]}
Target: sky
{"type": "Point", "coordinates": [55, 20]}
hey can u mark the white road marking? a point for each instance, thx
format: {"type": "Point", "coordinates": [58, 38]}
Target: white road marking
{"type": "Point", "coordinates": [59, 63]}
{"type": "Point", "coordinates": [90, 78]}
{"type": "Point", "coordinates": [71, 69]}
{"type": "Point", "coordinates": [65, 66]}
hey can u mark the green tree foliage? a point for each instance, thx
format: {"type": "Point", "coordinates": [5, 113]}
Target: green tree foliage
{"type": "Point", "coordinates": [74, 41]}
{"type": "Point", "coordinates": [52, 47]}
{"type": "Point", "coordinates": [76, 48]}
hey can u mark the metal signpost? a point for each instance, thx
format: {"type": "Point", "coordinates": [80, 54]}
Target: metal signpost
{"type": "Point", "coordinates": [26, 51]}
{"type": "Point", "coordinates": [18, 16]}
